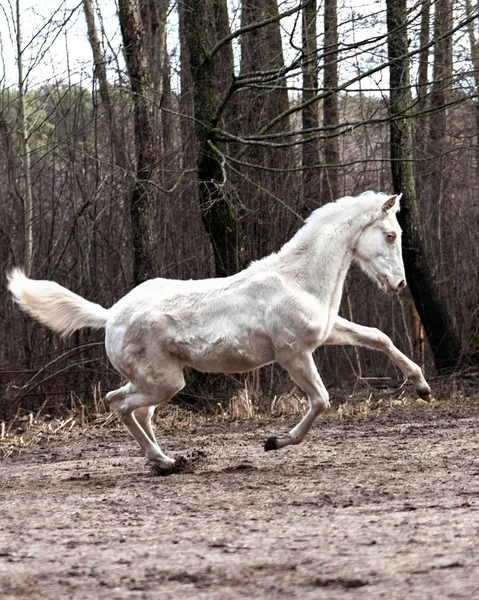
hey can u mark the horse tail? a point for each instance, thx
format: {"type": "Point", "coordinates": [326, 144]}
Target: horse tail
{"type": "Point", "coordinates": [55, 306]}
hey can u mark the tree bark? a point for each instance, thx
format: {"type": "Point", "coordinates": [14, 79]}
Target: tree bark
{"type": "Point", "coordinates": [309, 114]}
{"type": "Point", "coordinates": [444, 343]}
{"type": "Point", "coordinates": [153, 16]}
{"type": "Point", "coordinates": [262, 50]}
{"type": "Point", "coordinates": [144, 194]}
{"type": "Point", "coordinates": [423, 55]}
{"type": "Point", "coordinates": [438, 99]}
{"type": "Point", "coordinates": [25, 149]}
{"type": "Point", "coordinates": [474, 44]}
{"type": "Point", "coordinates": [262, 60]}
{"type": "Point", "coordinates": [330, 104]}
{"type": "Point", "coordinates": [118, 145]}
{"type": "Point", "coordinates": [205, 23]}
{"type": "Point", "coordinates": [421, 132]}
{"type": "Point", "coordinates": [442, 76]}
{"type": "Point", "coordinates": [98, 58]}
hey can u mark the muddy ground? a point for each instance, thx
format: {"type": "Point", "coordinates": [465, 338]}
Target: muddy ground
{"type": "Point", "coordinates": [381, 506]}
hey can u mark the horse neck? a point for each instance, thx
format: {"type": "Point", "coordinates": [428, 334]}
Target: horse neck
{"type": "Point", "coordinates": [319, 259]}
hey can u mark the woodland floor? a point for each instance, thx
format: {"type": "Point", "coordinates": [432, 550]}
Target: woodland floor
{"type": "Point", "coordinates": [383, 504]}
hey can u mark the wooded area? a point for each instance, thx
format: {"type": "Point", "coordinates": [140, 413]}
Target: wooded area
{"type": "Point", "coordinates": [203, 142]}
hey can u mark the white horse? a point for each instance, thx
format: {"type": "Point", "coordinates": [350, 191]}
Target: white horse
{"type": "Point", "coordinates": [278, 309]}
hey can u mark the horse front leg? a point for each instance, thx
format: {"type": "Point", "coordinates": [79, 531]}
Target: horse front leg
{"type": "Point", "coordinates": [346, 333]}
{"type": "Point", "coordinates": [303, 372]}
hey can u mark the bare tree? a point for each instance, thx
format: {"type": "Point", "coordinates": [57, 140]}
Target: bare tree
{"type": "Point", "coordinates": [205, 24]}
{"type": "Point", "coordinates": [145, 189]}
{"type": "Point", "coordinates": [442, 338]}
{"type": "Point", "coordinates": [474, 46]}
{"type": "Point", "coordinates": [438, 99]}
{"type": "Point", "coordinates": [330, 103]}
{"type": "Point", "coordinates": [25, 152]}
{"type": "Point", "coordinates": [423, 55]}
{"type": "Point", "coordinates": [99, 63]}
{"type": "Point", "coordinates": [309, 114]}
{"type": "Point", "coordinates": [153, 14]}
{"type": "Point", "coordinates": [264, 108]}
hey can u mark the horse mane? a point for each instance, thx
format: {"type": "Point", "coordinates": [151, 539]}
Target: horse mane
{"type": "Point", "coordinates": [368, 201]}
{"type": "Point", "coordinates": [328, 215]}
{"type": "Point", "coordinates": [333, 213]}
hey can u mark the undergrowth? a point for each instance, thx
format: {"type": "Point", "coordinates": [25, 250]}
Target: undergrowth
{"type": "Point", "coordinates": [33, 428]}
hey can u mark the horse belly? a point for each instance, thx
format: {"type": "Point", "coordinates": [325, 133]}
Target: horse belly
{"type": "Point", "coordinates": [224, 354]}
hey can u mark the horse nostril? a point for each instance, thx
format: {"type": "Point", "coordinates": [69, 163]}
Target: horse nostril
{"type": "Point", "coordinates": [402, 284]}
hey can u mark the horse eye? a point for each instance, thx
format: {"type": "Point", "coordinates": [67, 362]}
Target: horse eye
{"type": "Point", "coordinates": [391, 236]}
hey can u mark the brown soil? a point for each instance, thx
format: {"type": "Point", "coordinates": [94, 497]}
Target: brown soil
{"type": "Point", "coordinates": [382, 506]}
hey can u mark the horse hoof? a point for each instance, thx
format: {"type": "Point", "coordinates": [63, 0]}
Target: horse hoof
{"type": "Point", "coordinates": [271, 444]}
{"type": "Point", "coordinates": [426, 395]}
{"type": "Point", "coordinates": [165, 468]}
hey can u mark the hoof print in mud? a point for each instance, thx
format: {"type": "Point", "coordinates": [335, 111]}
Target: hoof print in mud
{"type": "Point", "coordinates": [162, 472]}
{"type": "Point", "coordinates": [183, 464]}
{"type": "Point", "coordinates": [271, 444]}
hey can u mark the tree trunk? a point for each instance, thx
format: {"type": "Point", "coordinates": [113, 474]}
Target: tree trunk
{"type": "Point", "coordinates": [445, 345]}
{"type": "Point", "coordinates": [205, 23]}
{"type": "Point", "coordinates": [330, 104]}
{"type": "Point", "coordinates": [474, 43]}
{"type": "Point", "coordinates": [118, 146]}
{"type": "Point", "coordinates": [442, 75]}
{"type": "Point", "coordinates": [262, 50]}
{"type": "Point", "coordinates": [98, 58]}
{"type": "Point", "coordinates": [144, 195]}
{"type": "Point", "coordinates": [153, 16]}
{"type": "Point", "coordinates": [438, 99]}
{"type": "Point", "coordinates": [420, 137]}
{"type": "Point", "coordinates": [25, 149]}
{"type": "Point", "coordinates": [309, 114]}
{"type": "Point", "coordinates": [423, 55]}
{"type": "Point", "coordinates": [421, 128]}
{"type": "Point", "coordinates": [262, 61]}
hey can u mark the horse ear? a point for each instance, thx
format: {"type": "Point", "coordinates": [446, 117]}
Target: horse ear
{"type": "Point", "coordinates": [390, 202]}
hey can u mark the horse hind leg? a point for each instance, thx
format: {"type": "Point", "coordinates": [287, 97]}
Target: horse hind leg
{"type": "Point", "coordinates": [131, 399]}
{"type": "Point", "coordinates": [144, 416]}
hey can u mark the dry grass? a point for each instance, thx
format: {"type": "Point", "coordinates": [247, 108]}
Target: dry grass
{"type": "Point", "coordinates": [29, 430]}
{"type": "Point", "coordinates": [33, 428]}
{"type": "Point", "coordinates": [288, 405]}
{"type": "Point", "coordinates": [240, 407]}
{"type": "Point", "coordinates": [373, 406]}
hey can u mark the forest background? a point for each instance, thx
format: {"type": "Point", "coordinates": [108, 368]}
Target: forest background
{"type": "Point", "coordinates": [185, 139]}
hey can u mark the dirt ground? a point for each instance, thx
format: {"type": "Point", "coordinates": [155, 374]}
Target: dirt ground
{"type": "Point", "coordinates": [380, 506]}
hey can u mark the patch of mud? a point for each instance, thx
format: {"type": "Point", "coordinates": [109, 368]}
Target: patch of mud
{"type": "Point", "coordinates": [183, 464]}
{"type": "Point", "coordinates": [244, 466]}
